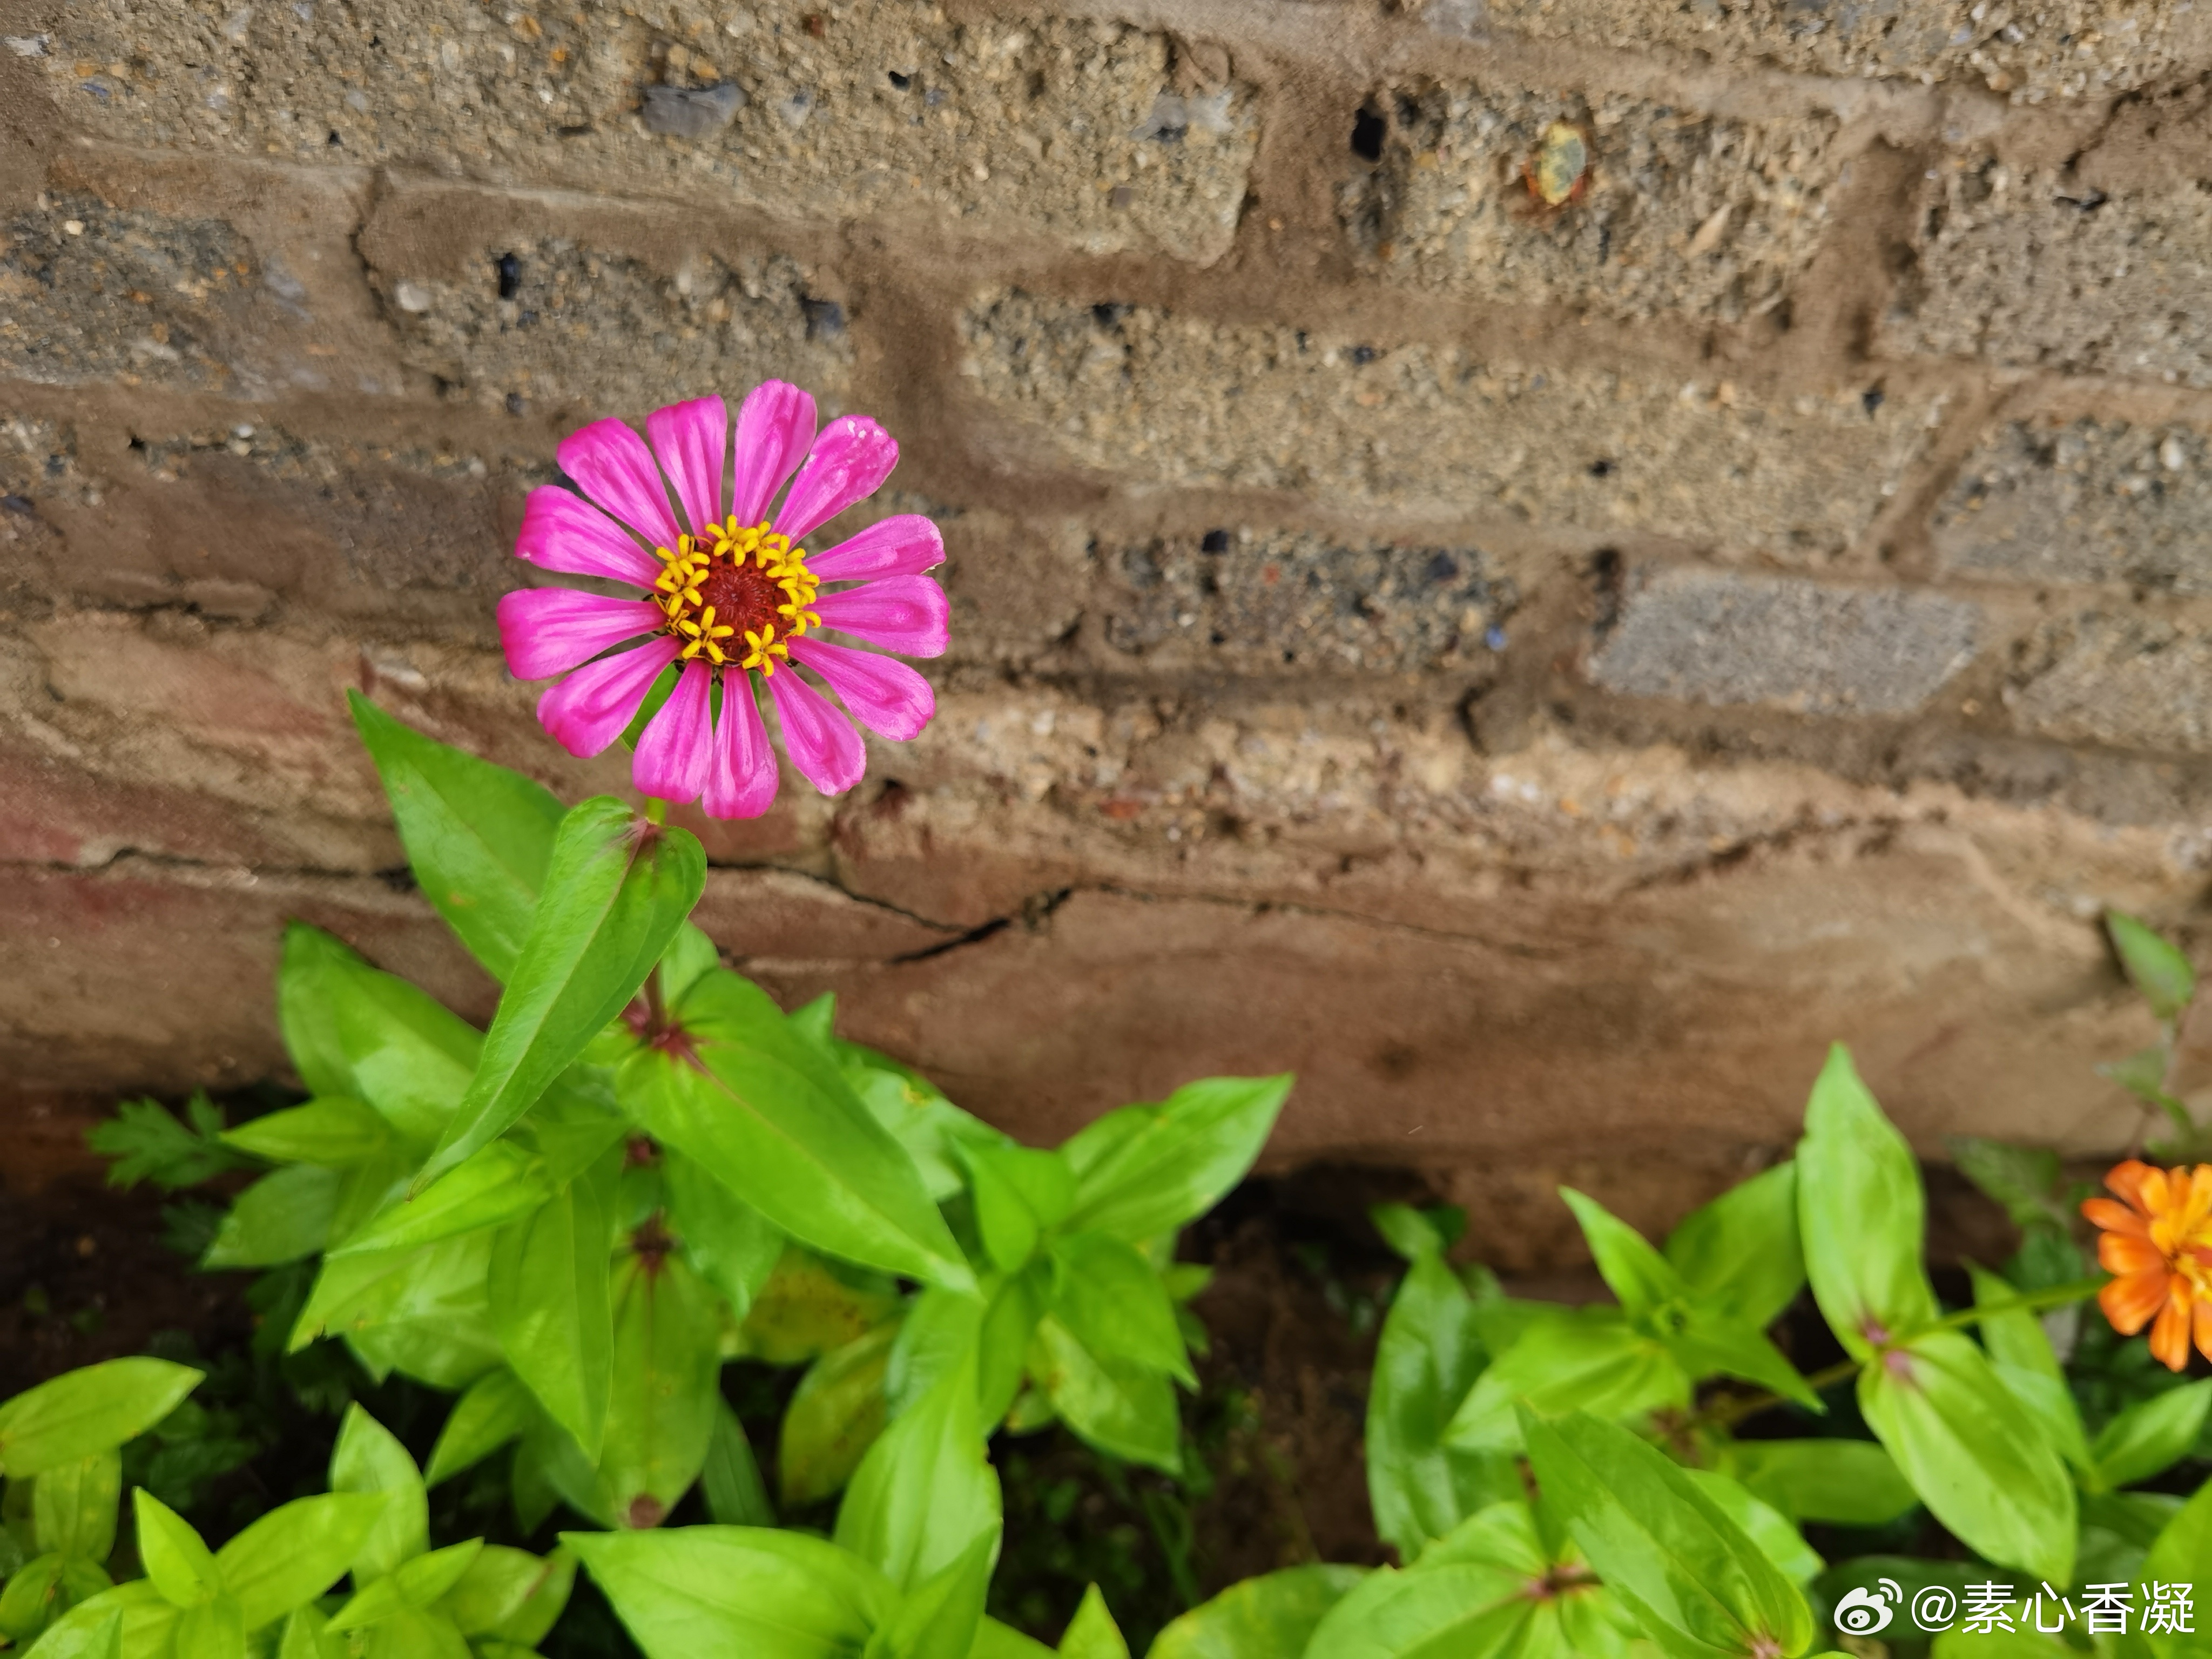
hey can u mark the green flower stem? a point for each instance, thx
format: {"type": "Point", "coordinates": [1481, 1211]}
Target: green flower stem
{"type": "Point", "coordinates": [656, 810]}
{"type": "Point", "coordinates": [1732, 1412]}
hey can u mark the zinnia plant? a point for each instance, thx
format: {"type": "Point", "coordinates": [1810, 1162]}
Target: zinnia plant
{"type": "Point", "coordinates": [731, 597]}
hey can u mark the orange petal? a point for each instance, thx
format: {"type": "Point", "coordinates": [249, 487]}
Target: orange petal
{"type": "Point", "coordinates": [2204, 1327]}
{"type": "Point", "coordinates": [2194, 1200]}
{"type": "Point", "coordinates": [2127, 1180]}
{"type": "Point", "coordinates": [2169, 1337]}
{"type": "Point", "coordinates": [2115, 1218]}
{"type": "Point", "coordinates": [2118, 1253]}
{"type": "Point", "coordinates": [2131, 1301]}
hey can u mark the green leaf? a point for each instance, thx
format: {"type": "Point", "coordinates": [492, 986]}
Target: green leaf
{"type": "Point", "coordinates": [478, 837]}
{"type": "Point", "coordinates": [355, 1031]}
{"type": "Point", "coordinates": [908, 1104]}
{"type": "Point", "coordinates": [1112, 1405]}
{"type": "Point", "coordinates": [729, 1243]}
{"type": "Point", "coordinates": [336, 1133]}
{"type": "Point", "coordinates": [925, 1490]}
{"type": "Point", "coordinates": [660, 1410]}
{"type": "Point", "coordinates": [1092, 1634]}
{"type": "Point", "coordinates": [736, 1494]}
{"type": "Point", "coordinates": [1271, 1616]}
{"type": "Point", "coordinates": [93, 1628]}
{"type": "Point", "coordinates": [2026, 1179]}
{"type": "Point", "coordinates": [369, 1458]}
{"type": "Point", "coordinates": [614, 892]}
{"type": "Point", "coordinates": [2157, 968]}
{"type": "Point", "coordinates": [2177, 1557]}
{"type": "Point", "coordinates": [766, 1595]}
{"type": "Point", "coordinates": [940, 1618]}
{"type": "Point", "coordinates": [1637, 1274]}
{"type": "Point", "coordinates": [1144, 1170]}
{"type": "Point", "coordinates": [1112, 1302]}
{"type": "Point", "coordinates": [295, 1552]}
{"type": "Point", "coordinates": [215, 1628]}
{"type": "Point", "coordinates": [511, 1594]}
{"type": "Point", "coordinates": [996, 1641]}
{"type": "Point", "coordinates": [1740, 1254]}
{"type": "Point", "coordinates": [33, 1598]}
{"type": "Point", "coordinates": [941, 1331]}
{"type": "Point", "coordinates": [148, 1144]}
{"type": "Point", "coordinates": [1861, 1211]}
{"type": "Point", "coordinates": [74, 1505]}
{"type": "Point", "coordinates": [810, 1306]}
{"type": "Point", "coordinates": [422, 1310]}
{"type": "Point", "coordinates": [1849, 1483]}
{"type": "Point", "coordinates": [1470, 1598]}
{"type": "Point", "coordinates": [2012, 1335]}
{"type": "Point", "coordinates": [280, 1218]}
{"type": "Point", "coordinates": [834, 1416]}
{"type": "Point", "coordinates": [413, 1585]}
{"type": "Point", "coordinates": [493, 1186]}
{"type": "Point", "coordinates": [1979, 1459]}
{"type": "Point", "coordinates": [773, 1119]}
{"type": "Point", "coordinates": [1426, 1361]}
{"type": "Point", "coordinates": [174, 1558]}
{"type": "Point", "coordinates": [1018, 1191]}
{"type": "Point", "coordinates": [1764, 1524]}
{"type": "Point", "coordinates": [1694, 1579]}
{"type": "Point", "coordinates": [1567, 1359]}
{"type": "Point", "coordinates": [83, 1412]}
{"type": "Point", "coordinates": [2152, 1435]}
{"type": "Point", "coordinates": [551, 1288]}
{"type": "Point", "coordinates": [496, 1409]}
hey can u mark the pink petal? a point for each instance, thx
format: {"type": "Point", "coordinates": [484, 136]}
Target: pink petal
{"type": "Point", "coordinates": [692, 442]}
{"type": "Point", "coordinates": [671, 750]}
{"type": "Point", "coordinates": [775, 424]}
{"type": "Point", "coordinates": [550, 630]}
{"type": "Point", "coordinates": [821, 741]}
{"type": "Point", "coordinates": [617, 471]}
{"type": "Point", "coordinates": [589, 709]}
{"type": "Point", "coordinates": [850, 463]}
{"type": "Point", "coordinates": [904, 545]}
{"type": "Point", "coordinates": [741, 769]}
{"type": "Point", "coordinates": [562, 532]}
{"type": "Point", "coordinates": [886, 696]}
{"type": "Point", "coordinates": [905, 614]}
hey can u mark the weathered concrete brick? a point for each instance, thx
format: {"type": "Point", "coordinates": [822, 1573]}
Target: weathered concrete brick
{"type": "Point", "coordinates": [2084, 501]}
{"type": "Point", "coordinates": [2033, 49]}
{"type": "Point", "coordinates": [553, 323]}
{"type": "Point", "coordinates": [1681, 212]}
{"type": "Point", "coordinates": [2032, 269]}
{"type": "Point", "coordinates": [2130, 681]}
{"type": "Point", "coordinates": [1149, 394]}
{"type": "Point", "coordinates": [1072, 129]}
{"type": "Point", "coordinates": [1256, 602]}
{"type": "Point", "coordinates": [1717, 636]}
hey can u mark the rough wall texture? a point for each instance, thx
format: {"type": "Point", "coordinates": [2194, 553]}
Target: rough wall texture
{"type": "Point", "coordinates": [1538, 672]}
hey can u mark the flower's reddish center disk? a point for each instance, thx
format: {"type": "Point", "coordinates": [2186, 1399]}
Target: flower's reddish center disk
{"type": "Point", "coordinates": [744, 595]}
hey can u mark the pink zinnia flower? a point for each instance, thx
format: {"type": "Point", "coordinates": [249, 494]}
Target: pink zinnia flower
{"type": "Point", "coordinates": [734, 599]}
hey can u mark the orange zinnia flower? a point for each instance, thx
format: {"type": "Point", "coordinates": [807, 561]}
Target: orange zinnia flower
{"type": "Point", "coordinates": [2158, 1247]}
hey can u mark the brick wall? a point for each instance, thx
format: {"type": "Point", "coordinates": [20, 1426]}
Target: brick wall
{"type": "Point", "coordinates": [1538, 672]}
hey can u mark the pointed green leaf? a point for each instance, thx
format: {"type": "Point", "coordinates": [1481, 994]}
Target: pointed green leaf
{"type": "Point", "coordinates": [2026, 1180]}
{"type": "Point", "coordinates": [493, 1186]}
{"type": "Point", "coordinates": [496, 1409]}
{"type": "Point", "coordinates": [179, 1564]}
{"type": "Point", "coordinates": [284, 1217]}
{"type": "Point", "coordinates": [1764, 1524]}
{"type": "Point", "coordinates": [478, 837]}
{"type": "Point", "coordinates": [93, 1628]}
{"type": "Point", "coordinates": [665, 1386]}
{"type": "Point", "coordinates": [1017, 1191]}
{"type": "Point", "coordinates": [295, 1552]}
{"type": "Point", "coordinates": [2152, 1435]}
{"type": "Point", "coordinates": [1111, 1299]}
{"type": "Point", "coordinates": [1708, 1347]}
{"type": "Point", "coordinates": [511, 1594]}
{"type": "Point", "coordinates": [1694, 1579]}
{"type": "Point", "coordinates": [941, 1617]}
{"type": "Point", "coordinates": [1112, 1405]}
{"type": "Point", "coordinates": [773, 1120]}
{"type": "Point", "coordinates": [1568, 1359]}
{"type": "Point", "coordinates": [731, 1245]}
{"type": "Point", "coordinates": [2010, 1333]}
{"type": "Point", "coordinates": [214, 1629]}
{"type": "Point", "coordinates": [2159, 969]}
{"type": "Point", "coordinates": [2177, 1557]}
{"type": "Point", "coordinates": [81, 1413]}
{"type": "Point", "coordinates": [335, 1132]}
{"type": "Point", "coordinates": [1637, 1273]}
{"type": "Point", "coordinates": [616, 891]}
{"type": "Point", "coordinates": [422, 1310]}
{"type": "Point", "coordinates": [1740, 1254]}
{"type": "Point", "coordinates": [1850, 1483]}
{"type": "Point", "coordinates": [925, 1490]}
{"type": "Point", "coordinates": [1979, 1459]}
{"type": "Point", "coordinates": [1144, 1171]}
{"type": "Point", "coordinates": [1092, 1634]}
{"type": "Point", "coordinates": [413, 1585]}
{"type": "Point", "coordinates": [552, 1304]}
{"type": "Point", "coordinates": [369, 1458]}
{"type": "Point", "coordinates": [1271, 1616]}
{"type": "Point", "coordinates": [736, 1494]}
{"type": "Point", "coordinates": [704, 1590]}
{"type": "Point", "coordinates": [75, 1506]}
{"type": "Point", "coordinates": [1860, 1212]}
